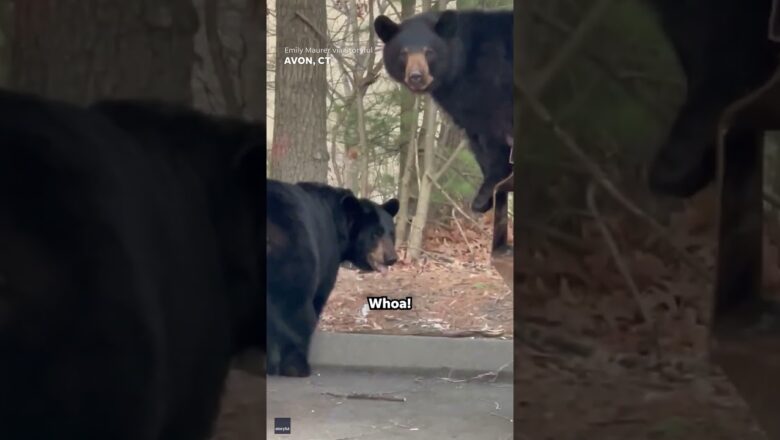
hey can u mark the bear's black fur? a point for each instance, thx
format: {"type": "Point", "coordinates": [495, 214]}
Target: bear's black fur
{"type": "Point", "coordinates": [129, 267]}
{"type": "Point", "coordinates": [311, 229]}
{"type": "Point", "coordinates": [464, 60]}
{"type": "Point", "coordinates": [724, 50]}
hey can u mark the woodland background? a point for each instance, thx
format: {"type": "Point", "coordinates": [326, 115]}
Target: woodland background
{"type": "Point", "coordinates": [615, 286]}
{"type": "Point", "coordinates": [347, 123]}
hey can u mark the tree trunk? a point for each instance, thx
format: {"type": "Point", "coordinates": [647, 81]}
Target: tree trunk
{"type": "Point", "coordinates": [426, 185]}
{"type": "Point", "coordinates": [425, 173]}
{"type": "Point", "coordinates": [408, 125]}
{"type": "Point", "coordinates": [338, 171]}
{"type": "Point", "coordinates": [419, 152]}
{"type": "Point", "coordinates": [218, 60]}
{"type": "Point", "coordinates": [351, 168]}
{"type": "Point", "coordinates": [407, 172]}
{"type": "Point", "coordinates": [357, 75]}
{"type": "Point", "coordinates": [253, 32]}
{"type": "Point", "coordinates": [84, 50]}
{"type": "Point", "coordinates": [299, 150]}
{"type": "Point", "coordinates": [6, 36]}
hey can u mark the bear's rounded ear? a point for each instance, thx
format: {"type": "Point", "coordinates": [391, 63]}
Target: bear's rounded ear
{"type": "Point", "coordinates": [447, 24]}
{"type": "Point", "coordinates": [351, 205]}
{"type": "Point", "coordinates": [385, 28]}
{"type": "Point", "coordinates": [391, 206]}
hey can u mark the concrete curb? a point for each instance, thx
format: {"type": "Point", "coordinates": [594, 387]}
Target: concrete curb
{"type": "Point", "coordinates": [453, 357]}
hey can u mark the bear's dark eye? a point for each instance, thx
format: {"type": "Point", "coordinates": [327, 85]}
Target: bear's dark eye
{"type": "Point", "coordinates": [378, 233]}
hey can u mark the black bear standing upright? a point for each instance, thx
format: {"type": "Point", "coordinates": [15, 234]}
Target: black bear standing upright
{"type": "Point", "coordinates": [726, 54]}
{"type": "Point", "coordinates": [724, 50]}
{"type": "Point", "coordinates": [130, 267]}
{"type": "Point", "coordinates": [311, 229]}
{"type": "Point", "coordinates": [464, 60]}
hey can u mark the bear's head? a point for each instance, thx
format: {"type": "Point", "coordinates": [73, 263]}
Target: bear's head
{"type": "Point", "coordinates": [418, 51]}
{"type": "Point", "coordinates": [371, 233]}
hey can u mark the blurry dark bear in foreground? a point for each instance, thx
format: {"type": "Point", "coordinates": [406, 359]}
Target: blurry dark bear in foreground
{"type": "Point", "coordinates": [129, 267]}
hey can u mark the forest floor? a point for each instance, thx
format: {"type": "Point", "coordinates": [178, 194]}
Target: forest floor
{"type": "Point", "coordinates": [455, 291]}
{"type": "Point", "coordinates": [600, 359]}
{"type": "Point", "coordinates": [566, 398]}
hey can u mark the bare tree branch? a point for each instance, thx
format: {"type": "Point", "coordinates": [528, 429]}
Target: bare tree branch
{"type": "Point", "coordinates": [576, 39]}
{"type": "Point", "coordinates": [606, 183]}
{"type": "Point", "coordinates": [446, 165]}
{"type": "Point", "coordinates": [620, 262]}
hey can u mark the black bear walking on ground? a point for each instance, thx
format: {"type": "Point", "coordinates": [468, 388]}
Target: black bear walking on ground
{"type": "Point", "coordinates": [464, 60]}
{"type": "Point", "coordinates": [129, 267]}
{"type": "Point", "coordinates": [311, 229]}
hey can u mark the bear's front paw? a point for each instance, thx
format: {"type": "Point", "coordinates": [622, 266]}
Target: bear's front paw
{"type": "Point", "coordinates": [295, 365]}
{"type": "Point", "coordinates": [272, 367]}
{"type": "Point", "coordinates": [483, 201]}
